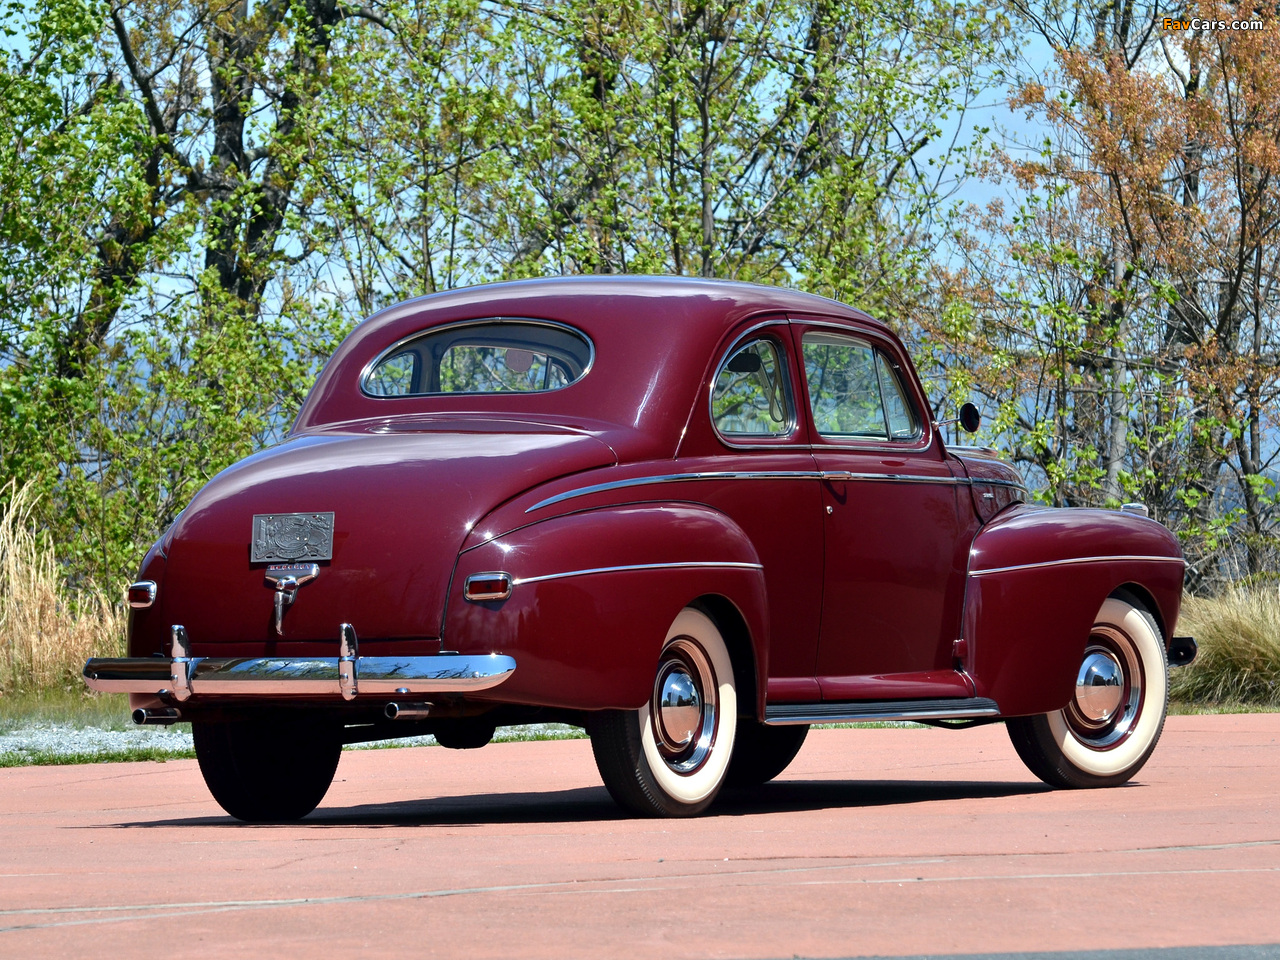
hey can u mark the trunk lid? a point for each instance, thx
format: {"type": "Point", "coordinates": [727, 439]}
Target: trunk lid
{"type": "Point", "coordinates": [403, 497]}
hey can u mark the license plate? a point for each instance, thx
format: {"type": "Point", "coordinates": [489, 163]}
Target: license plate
{"type": "Point", "coordinates": [290, 537]}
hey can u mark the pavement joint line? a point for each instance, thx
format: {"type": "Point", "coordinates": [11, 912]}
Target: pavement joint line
{"type": "Point", "coordinates": [163, 910]}
{"type": "Point", "coordinates": [901, 881]}
{"type": "Point", "coordinates": [299, 901]}
{"type": "Point", "coordinates": [1241, 844]}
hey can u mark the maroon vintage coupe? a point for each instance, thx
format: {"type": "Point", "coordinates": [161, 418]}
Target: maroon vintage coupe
{"type": "Point", "coordinates": [694, 517]}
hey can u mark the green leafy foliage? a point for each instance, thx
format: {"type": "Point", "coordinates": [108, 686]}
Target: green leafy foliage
{"type": "Point", "coordinates": [201, 198]}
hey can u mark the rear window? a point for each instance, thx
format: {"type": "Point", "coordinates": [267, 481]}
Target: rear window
{"type": "Point", "coordinates": [490, 356]}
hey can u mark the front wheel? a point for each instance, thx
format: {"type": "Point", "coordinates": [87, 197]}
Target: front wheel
{"type": "Point", "coordinates": [1117, 710]}
{"type": "Point", "coordinates": [760, 753]}
{"type": "Point", "coordinates": [668, 759]}
{"type": "Point", "coordinates": [271, 770]}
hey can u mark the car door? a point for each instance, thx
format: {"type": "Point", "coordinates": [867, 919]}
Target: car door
{"type": "Point", "coordinates": [894, 548]}
{"type": "Point", "coordinates": [750, 443]}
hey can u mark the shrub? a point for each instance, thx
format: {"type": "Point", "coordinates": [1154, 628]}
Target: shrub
{"type": "Point", "coordinates": [1239, 637]}
{"type": "Point", "coordinates": [46, 631]}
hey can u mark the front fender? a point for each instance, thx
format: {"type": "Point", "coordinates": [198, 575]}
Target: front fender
{"type": "Point", "coordinates": [1037, 579]}
{"type": "Point", "coordinates": [593, 595]}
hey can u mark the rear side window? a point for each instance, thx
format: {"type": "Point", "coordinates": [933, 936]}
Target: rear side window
{"type": "Point", "coordinates": [855, 391]}
{"type": "Point", "coordinates": [493, 356]}
{"type": "Point", "coordinates": [750, 395]}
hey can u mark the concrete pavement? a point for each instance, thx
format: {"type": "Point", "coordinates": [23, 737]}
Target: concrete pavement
{"type": "Point", "coordinates": [875, 842]}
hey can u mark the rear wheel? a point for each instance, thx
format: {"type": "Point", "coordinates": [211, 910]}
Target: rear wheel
{"type": "Point", "coordinates": [669, 758]}
{"type": "Point", "coordinates": [268, 770]}
{"type": "Point", "coordinates": [1117, 710]}
{"type": "Point", "coordinates": [760, 753]}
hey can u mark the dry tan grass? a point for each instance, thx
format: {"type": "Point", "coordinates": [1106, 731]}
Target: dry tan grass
{"type": "Point", "coordinates": [1239, 637]}
{"type": "Point", "coordinates": [46, 630]}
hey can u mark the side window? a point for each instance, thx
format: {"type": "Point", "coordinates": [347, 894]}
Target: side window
{"type": "Point", "coordinates": [844, 387]}
{"type": "Point", "coordinates": [394, 376]}
{"type": "Point", "coordinates": [854, 391]}
{"type": "Point", "coordinates": [750, 395]}
{"type": "Point", "coordinates": [902, 417]}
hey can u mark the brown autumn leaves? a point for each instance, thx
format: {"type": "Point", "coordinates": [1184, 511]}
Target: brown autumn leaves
{"type": "Point", "coordinates": [1123, 315]}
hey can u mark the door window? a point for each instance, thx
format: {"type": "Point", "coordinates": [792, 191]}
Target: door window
{"type": "Point", "coordinates": [855, 391]}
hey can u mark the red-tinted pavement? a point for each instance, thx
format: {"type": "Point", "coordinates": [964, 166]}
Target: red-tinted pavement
{"type": "Point", "coordinates": [890, 842]}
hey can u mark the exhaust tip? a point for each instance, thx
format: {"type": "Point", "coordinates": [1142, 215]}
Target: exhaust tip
{"type": "Point", "coordinates": [407, 711]}
{"type": "Point", "coordinates": [156, 715]}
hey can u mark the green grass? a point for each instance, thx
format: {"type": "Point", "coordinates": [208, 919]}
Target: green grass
{"type": "Point", "coordinates": [518, 734]}
{"type": "Point", "coordinates": [68, 707]}
{"type": "Point", "coordinates": [1183, 708]}
{"type": "Point", "coordinates": [48, 759]}
{"type": "Point", "coordinates": [78, 710]}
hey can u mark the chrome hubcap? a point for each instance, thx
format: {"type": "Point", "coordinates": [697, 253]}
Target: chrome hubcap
{"type": "Point", "coordinates": [1109, 690]}
{"type": "Point", "coordinates": [1100, 686]}
{"type": "Point", "coordinates": [682, 712]}
{"type": "Point", "coordinates": [679, 706]}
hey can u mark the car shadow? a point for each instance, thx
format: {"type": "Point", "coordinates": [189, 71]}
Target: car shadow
{"type": "Point", "coordinates": [587, 804]}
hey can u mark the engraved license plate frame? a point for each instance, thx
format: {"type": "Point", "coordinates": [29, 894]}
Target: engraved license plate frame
{"type": "Point", "coordinates": [291, 537]}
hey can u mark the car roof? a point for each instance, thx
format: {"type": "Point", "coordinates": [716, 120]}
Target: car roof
{"type": "Point", "coordinates": [653, 339]}
{"type": "Point", "coordinates": [713, 302]}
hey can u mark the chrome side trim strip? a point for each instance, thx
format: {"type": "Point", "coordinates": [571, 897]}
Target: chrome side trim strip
{"type": "Point", "coordinates": [696, 564]}
{"type": "Point", "coordinates": [1073, 560]}
{"type": "Point", "coordinates": [319, 676]}
{"type": "Point", "coordinates": [894, 478]}
{"type": "Point", "coordinates": [675, 478]}
{"type": "Point", "coordinates": [966, 708]}
{"type": "Point", "coordinates": [753, 475]}
{"type": "Point", "coordinates": [980, 481]}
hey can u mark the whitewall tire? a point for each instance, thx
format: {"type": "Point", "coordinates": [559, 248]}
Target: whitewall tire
{"type": "Point", "coordinates": [669, 758]}
{"type": "Point", "coordinates": [1116, 714]}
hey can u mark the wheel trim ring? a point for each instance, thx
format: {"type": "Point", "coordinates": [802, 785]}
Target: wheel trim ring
{"type": "Point", "coordinates": [1109, 734]}
{"type": "Point", "coordinates": [684, 654]}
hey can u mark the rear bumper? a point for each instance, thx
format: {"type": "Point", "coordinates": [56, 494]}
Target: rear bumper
{"type": "Point", "coordinates": [347, 675]}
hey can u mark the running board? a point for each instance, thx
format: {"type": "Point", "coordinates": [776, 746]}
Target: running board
{"type": "Point", "coordinates": [966, 708]}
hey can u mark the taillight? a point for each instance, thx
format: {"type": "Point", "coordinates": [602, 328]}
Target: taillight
{"type": "Point", "coordinates": [141, 594]}
{"type": "Point", "coordinates": [487, 586]}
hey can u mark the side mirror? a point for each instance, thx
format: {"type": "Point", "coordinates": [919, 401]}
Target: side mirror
{"type": "Point", "coordinates": [969, 418]}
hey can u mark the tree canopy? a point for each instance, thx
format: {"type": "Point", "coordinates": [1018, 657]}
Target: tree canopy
{"type": "Point", "coordinates": [202, 196]}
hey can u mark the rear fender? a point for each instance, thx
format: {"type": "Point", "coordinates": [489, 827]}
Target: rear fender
{"type": "Point", "coordinates": [593, 595]}
{"type": "Point", "coordinates": [1037, 579]}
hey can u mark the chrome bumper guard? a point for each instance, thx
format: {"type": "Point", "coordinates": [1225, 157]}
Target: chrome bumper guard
{"type": "Point", "coordinates": [346, 675]}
